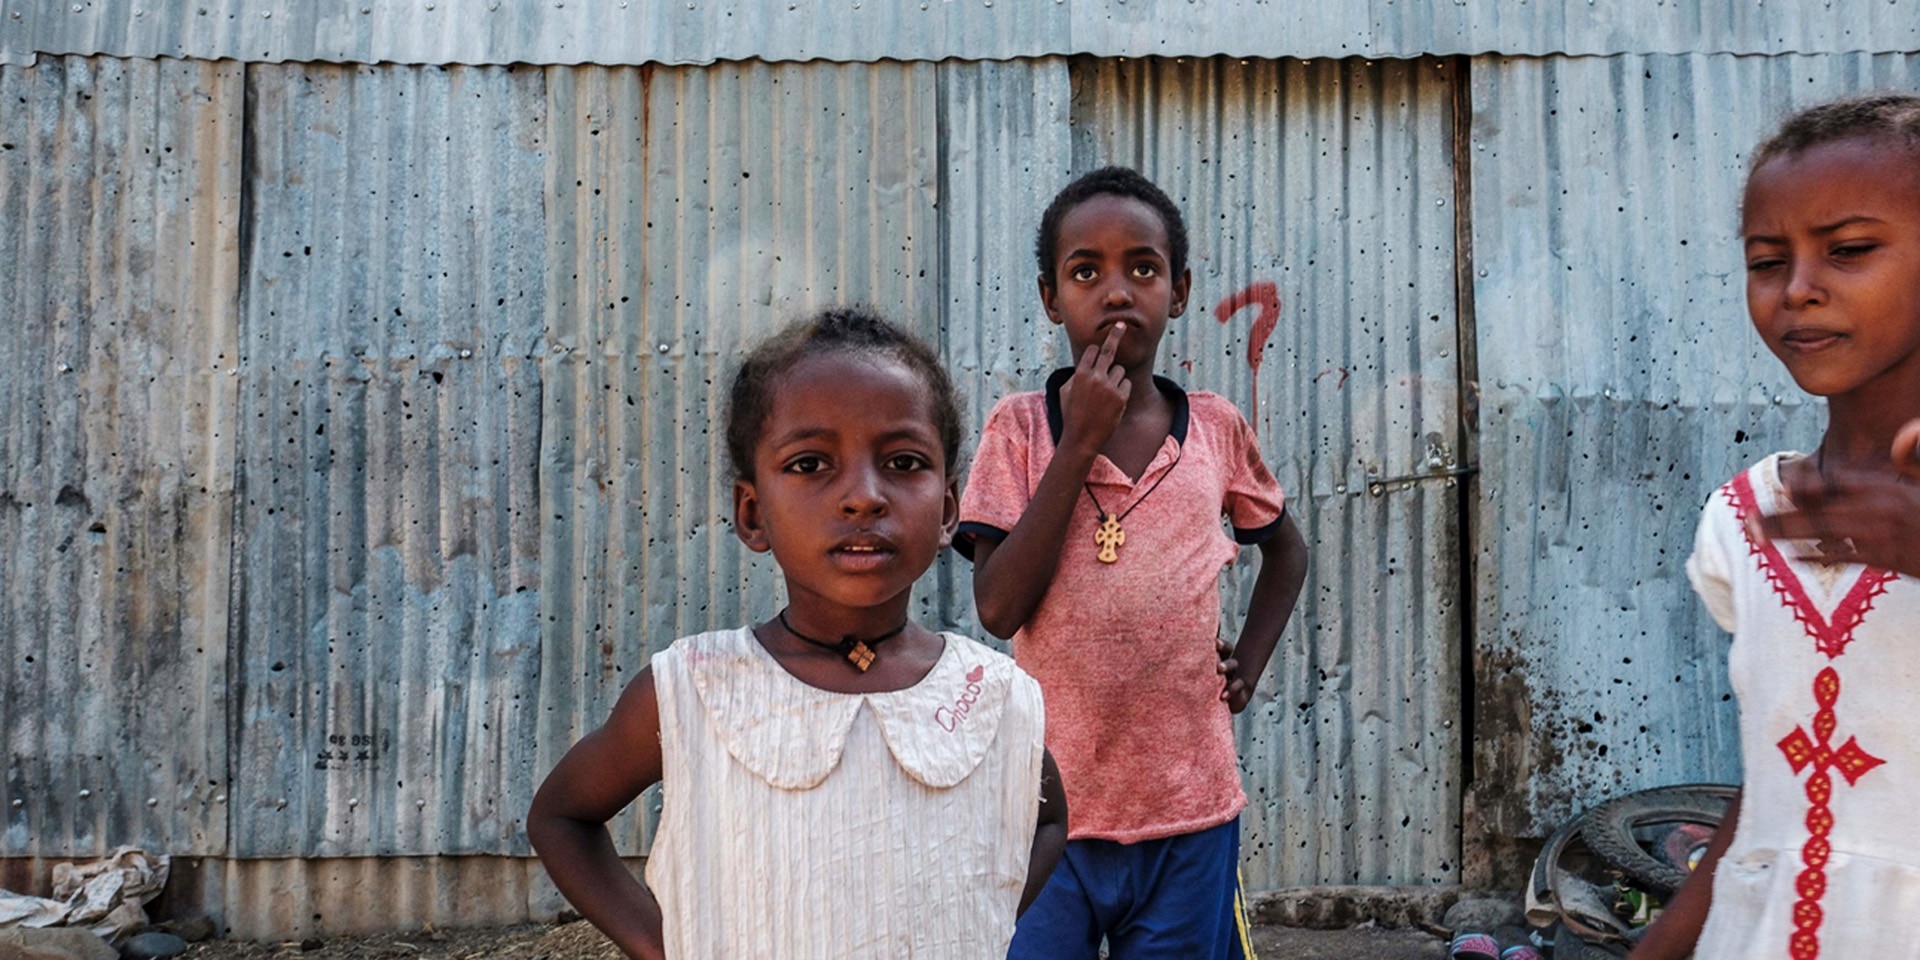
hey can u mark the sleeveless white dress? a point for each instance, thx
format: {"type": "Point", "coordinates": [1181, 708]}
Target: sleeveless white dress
{"type": "Point", "coordinates": [801, 823]}
{"type": "Point", "coordinates": [1826, 663]}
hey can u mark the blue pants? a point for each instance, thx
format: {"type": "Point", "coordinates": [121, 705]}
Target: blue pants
{"type": "Point", "coordinates": [1176, 898]}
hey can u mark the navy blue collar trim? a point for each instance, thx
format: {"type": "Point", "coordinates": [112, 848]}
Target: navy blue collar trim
{"type": "Point", "coordinates": [1168, 389]}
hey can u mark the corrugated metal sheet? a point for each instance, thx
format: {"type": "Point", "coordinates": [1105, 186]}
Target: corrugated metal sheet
{"type": "Point", "coordinates": [388, 638]}
{"type": "Point", "coordinates": [119, 205]}
{"type": "Point", "coordinates": [1621, 383]}
{"type": "Point", "coordinates": [1333, 182]}
{"type": "Point", "coordinates": [630, 32]}
{"type": "Point", "coordinates": [692, 212]}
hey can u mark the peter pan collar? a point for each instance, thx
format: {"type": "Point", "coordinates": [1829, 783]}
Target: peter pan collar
{"type": "Point", "coordinates": [792, 735]}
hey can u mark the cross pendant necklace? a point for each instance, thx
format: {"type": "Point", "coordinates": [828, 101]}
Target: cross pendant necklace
{"type": "Point", "coordinates": [1110, 536]}
{"type": "Point", "coordinates": [860, 653]}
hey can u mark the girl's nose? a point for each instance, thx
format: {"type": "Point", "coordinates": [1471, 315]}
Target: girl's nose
{"type": "Point", "coordinates": [1803, 283]}
{"type": "Point", "coordinates": [1119, 296]}
{"type": "Point", "coordinates": [863, 492]}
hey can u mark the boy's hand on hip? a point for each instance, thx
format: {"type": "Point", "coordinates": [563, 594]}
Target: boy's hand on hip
{"type": "Point", "coordinates": [1095, 397]}
{"type": "Point", "coordinates": [1237, 692]}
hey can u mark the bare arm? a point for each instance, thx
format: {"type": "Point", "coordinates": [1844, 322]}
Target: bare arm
{"type": "Point", "coordinates": [1049, 834]}
{"type": "Point", "coordinates": [1010, 577]}
{"type": "Point", "coordinates": [1283, 569]}
{"type": "Point", "coordinates": [567, 824]}
{"type": "Point", "coordinates": [1674, 933]}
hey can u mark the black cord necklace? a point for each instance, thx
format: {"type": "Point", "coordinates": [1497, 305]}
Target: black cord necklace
{"type": "Point", "coordinates": [1109, 537]}
{"type": "Point", "coordinates": [860, 653]}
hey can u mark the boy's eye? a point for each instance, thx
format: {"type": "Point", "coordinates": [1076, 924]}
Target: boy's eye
{"type": "Point", "coordinates": [806, 464]}
{"type": "Point", "coordinates": [908, 462]}
{"type": "Point", "coordinates": [1762, 264]}
{"type": "Point", "coordinates": [1145, 270]}
{"type": "Point", "coordinates": [1082, 273]}
{"type": "Point", "coordinates": [1856, 248]}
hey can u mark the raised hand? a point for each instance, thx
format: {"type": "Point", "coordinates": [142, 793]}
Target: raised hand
{"type": "Point", "coordinates": [1095, 397]}
{"type": "Point", "coordinates": [1856, 516]}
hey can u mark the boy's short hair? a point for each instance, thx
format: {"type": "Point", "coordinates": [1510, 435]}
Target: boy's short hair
{"type": "Point", "coordinates": [1893, 116]}
{"type": "Point", "coordinates": [848, 329]}
{"type": "Point", "coordinates": [1119, 182]}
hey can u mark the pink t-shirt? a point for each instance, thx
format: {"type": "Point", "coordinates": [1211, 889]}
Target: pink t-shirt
{"type": "Point", "coordinates": [1124, 651]}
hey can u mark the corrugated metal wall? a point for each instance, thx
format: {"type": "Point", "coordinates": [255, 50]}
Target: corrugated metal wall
{"type": "Point", "coordinates": [119, 202]}
{"type": "Point", "coordinates": [1621, 383]}
{"type": "Point", "coordinates": [483, 317]}
{"type": "Point", "coordinates": [629, 32]}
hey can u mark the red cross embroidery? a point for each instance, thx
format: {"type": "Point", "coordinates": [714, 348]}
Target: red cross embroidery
{"type": "Point", "coordinates": [1816, 751]}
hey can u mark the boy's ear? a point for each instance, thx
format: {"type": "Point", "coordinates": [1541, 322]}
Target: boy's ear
{"type": "Point", "coordinates": [1181, 287]}
{"type": "Point", "coordinates": [746, 517]}
{"type": "Point", "coordinates": [950, 513]}
{"type": "Point", "coordinates": [1048, 292]}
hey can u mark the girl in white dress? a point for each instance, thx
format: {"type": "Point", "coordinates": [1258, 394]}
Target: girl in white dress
{"type": "Point", "coordinates": [1813, 563]}
{"type": "Point", "coordinates": [838, 781]}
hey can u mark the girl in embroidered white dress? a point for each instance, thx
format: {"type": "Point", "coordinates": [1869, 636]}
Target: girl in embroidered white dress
{"type": "Point", "coordinates": [1811, 562]}
{"type": "Point", "coordinates": [838, 781]}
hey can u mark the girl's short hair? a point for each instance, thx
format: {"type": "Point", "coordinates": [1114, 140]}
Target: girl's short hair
{"type": "Point", "coordinates": [1119, 182]}
{"type": "Point", "coordinates": [1894, 116]}
{"type": "Point", "coordinates": [849, 329]}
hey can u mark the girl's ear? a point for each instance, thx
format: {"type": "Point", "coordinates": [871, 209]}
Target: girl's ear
{"type": "Point", "coordinates": [746, 517]}
{"type": "Point", "coordinates": [1181, 287]}
{"type": "Point", "coordinates": [1048, 293]}
{"type": "Point", "coordinates": [950, 513]}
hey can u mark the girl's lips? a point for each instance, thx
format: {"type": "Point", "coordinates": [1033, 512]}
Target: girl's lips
{"type": "Point", "coordinates": [1810, 341]}
{"type": "Point", "coordinates": [861, 559]}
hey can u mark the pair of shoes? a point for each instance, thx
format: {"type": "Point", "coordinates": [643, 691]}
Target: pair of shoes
{"type": "Point", "coordinates": [1473, 946]}
{"type": "Point", "coordinates": [1522, 952]}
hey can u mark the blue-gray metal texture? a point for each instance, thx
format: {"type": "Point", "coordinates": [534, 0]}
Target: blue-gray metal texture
{"type": "Point", "coordinates": [1332, 180]}
{"type": "Point", "coordinates": [1621, 383]}
{"type": "Point", "coordinates": [632, 32]}
{"type": "Point", "coordinates": [119, 201]}
{"type": "Point", "coordinates": [482, 315]}
{"type": "Point", "coordinates": [388, 538]}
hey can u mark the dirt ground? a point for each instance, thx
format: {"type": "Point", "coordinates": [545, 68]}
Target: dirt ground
{"type": "Point", "coordinates": [579, 941]}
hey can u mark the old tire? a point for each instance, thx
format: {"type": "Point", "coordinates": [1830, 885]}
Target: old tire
{"type": "Point", "coordinates": [1608, 829]}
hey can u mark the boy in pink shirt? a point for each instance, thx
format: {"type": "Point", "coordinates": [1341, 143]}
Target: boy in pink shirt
{"type": "Point", "coordinates": [1093, 515]}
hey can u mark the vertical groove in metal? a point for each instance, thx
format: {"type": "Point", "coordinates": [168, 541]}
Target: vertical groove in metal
{"type": "Point", "coordinates": [1622, 383]}
{"type": "Point", "coordinates": [693, 212]}
{"type": "Point", "coordinates": [1332, 181]}
{"type": "Point", "coordinates": [118, 201]}
{"type": "Point", "coordinates": [390, 565]}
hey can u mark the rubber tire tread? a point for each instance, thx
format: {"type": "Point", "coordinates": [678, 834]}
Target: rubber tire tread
{"type": "Point", "coordinates": [1607, 829]}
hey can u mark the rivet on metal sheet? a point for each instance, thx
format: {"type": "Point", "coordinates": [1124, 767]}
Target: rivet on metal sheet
{"type": "Point", "coordinates": [664, 348]}
{"type": "Point", "coordinates": [466, 354]}
{"type": "Point", "coordinates": [222, 798]}
{"type": "Point", "coordinates": [153, 801]}
{"type": "Point", "coordinates": [85, 794]}
{"type": "Point", "coordinates": [280, 804]}
{"type": "Point", "coordinates": [353, 801]}
{"type": "Point", "coordinates": [419, 804]}
{"type": "Point", "coordinates": [63, 368]}
{"type": "Point", "coordinates": [1342, 488]}
{"type": "Point", "coordinates": [76, 8]}
{"type": "Point", "coordinates": [18, 803]}
{"type": "Point", "coordinates": [1376, 489]}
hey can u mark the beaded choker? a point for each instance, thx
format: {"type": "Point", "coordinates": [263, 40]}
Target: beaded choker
{"type": "Point", "coordinates": [860, 653]}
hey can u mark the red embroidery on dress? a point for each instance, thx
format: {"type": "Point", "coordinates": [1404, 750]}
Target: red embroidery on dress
{"type": "Point", "coordinates": [1815, 751]}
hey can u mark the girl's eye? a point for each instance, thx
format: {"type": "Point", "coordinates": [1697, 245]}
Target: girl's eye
{"type": "Point", "coordinates": [907, 462]}
{"type": "Point", "coordinates": [806, 464]}
{"type": "Point", "coordinates": [1082, 273]}
{"type": "Point", "coordinates": [1856, 249]}
{"type": "Point", "coordinates": [1762, 264]}
{"type": "Point", "coordinates": [1145, 270]}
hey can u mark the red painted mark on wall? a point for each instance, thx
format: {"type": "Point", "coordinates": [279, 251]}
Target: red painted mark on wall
{"type": "Point", "coordinates": [1265, 295]}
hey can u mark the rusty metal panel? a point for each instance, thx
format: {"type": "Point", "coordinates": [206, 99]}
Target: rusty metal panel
{"type": "Point", "coordinates": [119, 212]}
{"type": "Point", "coordinates": [387, 638]}
{"type": "Point", "coordinates": [631, 32]}
{"type": "Point", "coordinates": [1328, 184]}
{"type": "Point", "coordinates": [693, 211]}
{"type": "Point", "coordinates": [1621, 383]}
